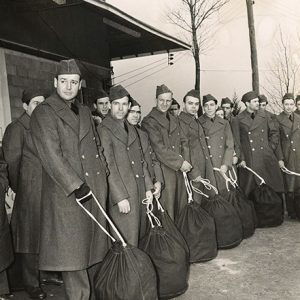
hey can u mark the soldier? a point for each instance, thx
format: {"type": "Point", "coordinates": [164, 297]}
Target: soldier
{"type": "Point", "coordinates": [297, 111]}
{"type": "Point", "coordinates": [171, 148]}
{"type": "Point", "coordinates": [227, 107]}
{"type": "Point", "coordinates": [256, 138]}
{"type": "Point", "coordinates": [6, 249]}
{"type": "Point", "coordinates": [288, 152]}
{"type": "Point", "coordinates": [133, 118]}
{"type": "Point", "coordinates": [175, 108]}
{"type": "Point", "coordinates": [129, 179]}
{"type": "Point", "coordinates": [219, 139]}
{"type": "Point", "coordinates": [101, 105]}
{"type": "Point", "coordinates": [25, 179]}
{"type": "Point", "coordinates": [263, 102]}
{"type": "Point", "coordinates": [199, 154]}
{"type": "Point", "coordinates": [220, 112]}
{"type": "Point", "coordinates": [73, 165]}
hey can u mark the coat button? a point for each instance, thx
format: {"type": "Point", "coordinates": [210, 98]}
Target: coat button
{"type": "Point", "coordinates": [210, 156]}
{"type": "Point", "coordinates": [222, 137]}
{"type": "Point", "coordinates": [173, 147]}
{"type": "Point", "coordinates": [94, 138]}
{"type": "Point", "coordinates": [262, 130]}
{"type": "Point", "coordinates": [251, 141]}
{"type": "Point", "coordinates": [209, 146]}
{"type": "Point", "coordinates": [132, 162]}
{"type": "Point", "coordinates": [249, 132]}
{"type": "Point", "coordinates": [137, 176]}
{"type": "Point", "coordinates": [294, 149]}
{"type": "Point", "coordinates": [127, 148]}
{"type": "Point", "coordinates": [261, 148]}
{"type": "Point", "coordinates": [97, 155]}
{"type": "Point", "coordinates": [82, 156]}
{"type": "Point", "coordinates": [292, 142]}
{"type": "Point", "coordinates": [206, 157]}
{"type": "Point", "coordinates": [220, 156]}
{"type": "Point", "coordinates": [287, 135]}
{"type": "Point", "coordinates": [253, 149]}
{"type": "Point", "coordinates": [86, 174]}
{"type": "Point", "coordinates": [98, 173]}
{"type": "Point", "coordinates": [221, 146]}
{"type": "Point", "coordinates": [207, 137]}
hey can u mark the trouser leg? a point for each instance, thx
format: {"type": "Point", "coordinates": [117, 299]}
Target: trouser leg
{"type": "Point", "coordinates": [30, 271]}
{"type": "Point", "coordinates": [77, 286]}
{"type": "Point", "coordinates": [4, 288]}
{"type": "Point", "coordinates": [92, 271]}
{"type": "Point", "coordinates": [297, 205]}
{"type": "Point", "coordinates": [290, 204]}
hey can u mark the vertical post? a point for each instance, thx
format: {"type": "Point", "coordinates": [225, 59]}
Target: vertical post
{"type": "Point", "coordinates": [253, 49]}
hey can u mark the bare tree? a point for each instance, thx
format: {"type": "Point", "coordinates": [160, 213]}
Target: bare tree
{"type": "Point", "coordinates": [192, 17]}
{"type": "Point", "coordinates": [284, 75]}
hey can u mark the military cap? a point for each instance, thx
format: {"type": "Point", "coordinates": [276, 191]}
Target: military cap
{"type": "Point", "coordinates": [162, 89]}
{"type": "Point", "coordinates": [297, 98]}
{"type": "Point", "coordinates": [117, 92]}
{"type": "Point", "coordinates": [68, 66]}
{"type": "Point", "coordinates": [30, 93]}
{"type": "Point", "coordinates": [209, 97]}
{"type": "Point", "coordinates": [288, 96]}
{"type": "Point", "coordinates": [134, 102]}
{"type": "Point", "coordinates": [249, 96]}
{"type": "Point", "coordinates": [262, 98]}
{"type": "Point", "coordinates": [98, 94]}
{"type": "Point", "coordinates": [226, 100]}
{"type": "Point", "coordinates": [192, 93]}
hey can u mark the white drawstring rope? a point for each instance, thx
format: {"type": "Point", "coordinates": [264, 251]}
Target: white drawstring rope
{"type": "Point", "coordinates": [188, 188]}
{"type": "Point", "coordinates": [289, 172]}
{"type": "Point", "coordinates": [227, 179]}
{"type": "Point", "coordinates": [198, 191]}
{"type": "Point", "coordinates": [159, 206]}
{"type": "Point", "coordinates": [107, 218]}
{"type": "Point", "coordinates": [259, 177]}
{"type": "Point", "coordinates": [149, 212]}
{"type": "Point", "coordinates": [233, 177]}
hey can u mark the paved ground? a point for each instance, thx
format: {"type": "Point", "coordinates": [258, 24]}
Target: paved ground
{"type": "Point", "coordinates": [264, 267]}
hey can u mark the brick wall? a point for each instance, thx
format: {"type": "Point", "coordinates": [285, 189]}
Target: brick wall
{"type": "Point", "coordinates": [25, 71]}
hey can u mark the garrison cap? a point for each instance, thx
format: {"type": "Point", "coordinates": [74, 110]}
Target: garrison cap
{"type": "Point", "coordinates": [134, 102]}
{"type": "Point", "coordinates": [192, 93]}
{"type": "Point", "coordinates": [117, 92]}
{"type": "Point", "coordinates": [297, 98]}
{"type": "Point", "coordinates": [29, 94]}
{"type": "Point", "coordinates": [98, 94]}
{"type": "Point", "coordinates": [226, 100]}
{"type": "Point", "coordinates": [162, 89]}
{"type": "Point", "coordinates": [288, 96]}
{"type": "Point", "coordinates": [262, 98]}
{"type": "Point", "coordinates": [209, 97]}
{"type": "Point", "coordinates": [68, 66]}
{"type": "Point", "coordinates": [249, 96]}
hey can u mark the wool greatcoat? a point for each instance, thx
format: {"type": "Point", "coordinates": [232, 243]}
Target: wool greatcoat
{"type": "Point", "coordinates": [288, 149]}
{"type": "Point", "coordinates": [219, 140]}
{"type": "Point", "coordinates": [256, 141]}
{"type": "Point", "coordinates": [25, 178]}
{"type": "Point", "coordinates": [171, 148]}
{"type": "Point", "coordinates": [6, 249]}
{"type": "Point", "coordinates": [128, 175]}
{"type": "Point", "coordinates": [70, 153]}
{"type": "Point", "coordinates": [199, 153]}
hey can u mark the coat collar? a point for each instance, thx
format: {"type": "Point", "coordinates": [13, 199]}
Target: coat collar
{"type": "Point", "coordinates": [188, 119]}
{"type": "Point", "coordinates": [283, 119]}
{"type": "Point", "coordinates": [245, 118]}
{"type": "Point", "coordinates": [25, 120]}
{"type": "Point", "coordinates": [161, 118]}
{"type": "Point", "coordinates": [119, 132]}
{"type": "Point", "coordinates": [209, 126]}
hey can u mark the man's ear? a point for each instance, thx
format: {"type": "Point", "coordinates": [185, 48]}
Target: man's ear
{"type": "Point", "coordinates": [55, 82]}
{"type": "Point", "coordinates": [80, 83]}
{"type": "Point", "coordinates": [129, 105]}
{"type": "Point", "coordinates": [25, 106]}
{"type": "Point", "coordinates": [95, 106]}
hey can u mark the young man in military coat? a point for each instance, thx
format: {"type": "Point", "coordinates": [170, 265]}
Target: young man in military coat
{"type": "Point", "coordinates": [129, 180]}
{"type": "Point", "coordinates": [199, 154]}
{"type": "Point", "coordinates": [288, 153]}
{"type": "Point", "coordinates": [256, 138]}
{"type": "Point", "coordinates": [171, 148]}
{"type": "Point", "coordinates": [73, 165]}
{"type": "Point", "coordinates": [6, 249]}
{"type": "Point", "coordinates": [227, 107]}
{"type": "Point", "coordinates": [297, 111]}
{"type": "Point", "coordinates": [25, 179]}
{"type": "Point", "coordinates": [218, 138]}
{"type": "Point", "coordinates": [101, 105]}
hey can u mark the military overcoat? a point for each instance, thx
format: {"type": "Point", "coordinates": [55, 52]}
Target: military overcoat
{"type": "Point", "coordinates": [25, 177]}
{"type": "Point", "coordinates": [171, 148]}
{"type": "Point", "coordinates": [128, 175]}
{"type": "Point", "coordinates": [6, 249]}
{"type": "Point", "coordinates": [219, 140]}
{"type": "Point", "coordinates": [288, 149]}
{"type": "Point", "coordinates": [256, 141]}
{"type": "Point", "coordinates": [70, 153]}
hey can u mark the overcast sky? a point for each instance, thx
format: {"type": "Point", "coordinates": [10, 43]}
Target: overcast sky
{"type": "Point", "coordinates": [226, 68]}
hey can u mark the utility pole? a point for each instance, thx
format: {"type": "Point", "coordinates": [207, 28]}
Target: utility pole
{"type": "Point", "coordinates": [254, 62]}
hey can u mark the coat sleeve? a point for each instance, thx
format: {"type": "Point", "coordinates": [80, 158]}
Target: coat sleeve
{"type": "Point", "coordinates": [158, 174]}
{"type": "Point", "coordinates": [184, 141]}
{"type": "Point", "coordinates": [46, 138]}
{"type": "Point", "coordinates": [117, 189]}
{"type": "Point", "coordinates": [278, 151]}
{"type": "Point", "coordinates": [12, 150]}
{"type": "Point", "coordinates": [229, 146]}
{"type": "Point", "coordinates": [235, 126]}
{"type": "Point", "coordinates": [273, 132]}
{"type": "Point", "coordinates": [3, 175]}
{"type": "Point", "coordinates": [164, 155]}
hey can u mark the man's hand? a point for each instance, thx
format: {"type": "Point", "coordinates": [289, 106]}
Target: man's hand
{"type": "Point", "coordinates": [242, 164]}
{"type": "Point", "coordinates": [281, 164]}
{"type": "Point", "coordinates": [224, 169]}
{"type": "Point", "coordinates": [157, 189]}
{"type": "Point", "coordinates": [83, 193]}
{"type": "Point", "coordinates": [197, 179]}
{"type": "Point", "coordinates": [149, 196]}
{"type": "Point", "coordinates": [124, 206]}
{"type": "Point", "coordinates": [235, 160]}
{"type": "Point", "coordinates": [186, 167]}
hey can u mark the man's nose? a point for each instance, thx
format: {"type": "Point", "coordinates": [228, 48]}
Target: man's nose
{"type": "Point", "coordinates": [68, 85]}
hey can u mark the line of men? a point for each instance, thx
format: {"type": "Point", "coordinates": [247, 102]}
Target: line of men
{"type": "Point", "coordinates": [57, 152]}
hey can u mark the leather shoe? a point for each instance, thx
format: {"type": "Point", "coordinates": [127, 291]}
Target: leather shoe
{"type": "Point", "coordinates": [52, 281]}
{"type": "Point", "coordinates": [35, 292]}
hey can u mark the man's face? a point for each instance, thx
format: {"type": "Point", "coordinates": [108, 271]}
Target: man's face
{"type": "Point", "coordinates": [34, 102]}
{"type": "Point", "coordinates": [288, 105]}
{"type": "Point", "coordinates": [67, 86]}
{"type": "Point", "coordinates": [227, 109]}
{"type": "Point", "coordinates": [263, 105]}
{"type": "Point", "coordinates": [220, 113]}
{"type": "Point", "coordinates": [191, 105]}
{"type": "Point", "coordinates": [174, 110]}
{"type": "Point", "coordinates": [298, 105]}
{"type": "Point", "coordinates": [253, 105]}
{"type": "Point", "coordinates": [210, 108]}
{"type": "Point", "coordinates": [119, 108]}
{"type": "Point", "coordinates": [134, 115]}
{"type": "Point", "coordinates": [102, 105]}
{"type": "Point", "coordinates": [164, 101]}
